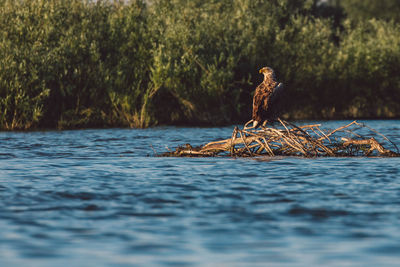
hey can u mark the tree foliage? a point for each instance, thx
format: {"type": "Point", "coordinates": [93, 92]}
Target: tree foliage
{"type": "Point", "coordinates": [81, 63]}
{"type": "Point", "coordinates": [360, 10]}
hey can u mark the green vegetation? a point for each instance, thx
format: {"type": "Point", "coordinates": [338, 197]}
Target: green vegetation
{"type": "Point", "coordinates": [76, 63]}
{"type": "Point", "coordinates": [361, 10]}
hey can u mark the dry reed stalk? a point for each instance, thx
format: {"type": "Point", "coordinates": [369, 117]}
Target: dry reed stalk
{"type": "Point", "coordinates": [292, 140]}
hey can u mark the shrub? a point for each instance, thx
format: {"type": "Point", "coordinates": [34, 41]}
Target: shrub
{"type": "Point", "coordinates": [81, 63]}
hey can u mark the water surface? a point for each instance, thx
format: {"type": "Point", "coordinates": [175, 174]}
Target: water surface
{"type": "Point", "coordinates": [101, 198]}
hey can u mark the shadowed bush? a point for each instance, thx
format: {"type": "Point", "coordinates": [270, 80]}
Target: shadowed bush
{"type": "Point", "coordinates": [75, 63]}
{"type": "Point", "coordinates": [72, 63]}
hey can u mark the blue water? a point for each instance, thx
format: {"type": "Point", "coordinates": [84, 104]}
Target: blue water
{"type": "Point", "coordinates": [101, 198]}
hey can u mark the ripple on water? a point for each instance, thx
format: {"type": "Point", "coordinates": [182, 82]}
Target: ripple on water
{"type": "Point", "coordinates": [7, 156]}
{"type": "Point", "coordinates": [93, 197]}
{"type": "Point", "coordinates": [318, 213]}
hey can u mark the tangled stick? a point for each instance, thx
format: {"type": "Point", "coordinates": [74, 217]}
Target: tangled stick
{"type": "Point", "coordinates": [292, 140]}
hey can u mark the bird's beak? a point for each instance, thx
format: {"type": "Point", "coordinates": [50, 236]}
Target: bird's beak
{"type": "Point", "coordinates": [261, 70]}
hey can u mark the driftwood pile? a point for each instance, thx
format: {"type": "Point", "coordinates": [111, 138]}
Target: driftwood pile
{"type": "Point", "coordinates": [290, 140]}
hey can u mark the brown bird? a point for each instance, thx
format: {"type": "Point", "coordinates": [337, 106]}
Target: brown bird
{"type": "Point", "coordinates": [266, 100]}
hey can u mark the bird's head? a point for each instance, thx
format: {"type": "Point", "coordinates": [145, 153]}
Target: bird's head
{"type": "Point", "coordinates": [268, 72]}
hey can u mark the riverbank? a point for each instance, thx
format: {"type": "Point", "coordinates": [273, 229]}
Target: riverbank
{"type": "Point", "coordinates": [78, 64]}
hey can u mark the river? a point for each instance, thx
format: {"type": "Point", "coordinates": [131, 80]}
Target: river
{"type": "Point", "coordinates": [100, 197]}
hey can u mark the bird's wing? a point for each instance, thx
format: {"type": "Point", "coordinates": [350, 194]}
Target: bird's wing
{"type": "Point", "coordinates": [258, 101]}
{"type": "Point", "coordinates": [277, 93]}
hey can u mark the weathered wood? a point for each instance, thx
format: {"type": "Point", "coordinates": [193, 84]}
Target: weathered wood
{"type": "Point", "coordinates": [292, 140]}
{"type": "Point", "coordinates": [374, 145]}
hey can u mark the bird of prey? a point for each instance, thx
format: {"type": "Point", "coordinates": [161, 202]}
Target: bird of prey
{"type": "Point", "coordinates": [266, 100]}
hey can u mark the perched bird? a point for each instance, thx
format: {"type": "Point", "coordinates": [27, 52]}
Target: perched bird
{"type": "Point", "coordinates": [266, 100]}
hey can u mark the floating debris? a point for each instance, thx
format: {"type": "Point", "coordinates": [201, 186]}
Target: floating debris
{"type": "Point", "coordinates": [352, 140]}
